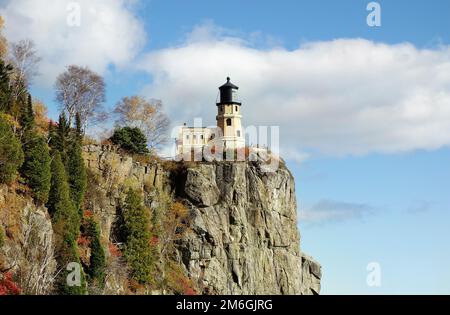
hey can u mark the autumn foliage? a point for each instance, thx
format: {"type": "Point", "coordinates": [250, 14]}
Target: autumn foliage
{"type": "Point", "coordinates": [8, 286]}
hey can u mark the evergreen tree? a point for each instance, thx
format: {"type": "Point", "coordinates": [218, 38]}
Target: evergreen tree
{"type": "Point", "coordinates": [36, 168]}
{"type": "Point", "coordinates": [97, 265]}
{"type": "Point", "coordinates": [130, 139]}
{"type": "Point", "coordinates": [66, 224]}
{"type": "Point", "coordinates": [5, 86]}
{"type": "Point", "coordinates": [11, 154]}
{"type": "Point", "coordinates": [77, 174]}
{"type": "Point", "coordinates": [27, 116]}
{"type": "Point", "coordinates": [59, 137]}
{"type": "Point", "coordinates": [78, 129]}
{"type": "Point", "coordinates": [59, 203]}
{"type": "Point", "coordinates": [138, 253]}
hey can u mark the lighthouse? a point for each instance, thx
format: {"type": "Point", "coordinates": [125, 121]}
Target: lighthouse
{"type": "Point", "coordinates": [229, 116]}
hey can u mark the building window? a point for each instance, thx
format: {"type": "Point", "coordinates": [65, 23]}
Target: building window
{"type": "Point", "coordinates": [187, 137]}
{"type": "Point", "coordinates": [238, 133]}
{"type": "Point", "coordinates": [201, 137]}
{"type": "Point", "coordinates": [194, 138]}
{"type": "Point", "coordinates": [228, 122]}
{"type": "Point", "coordinates": [236, 108]}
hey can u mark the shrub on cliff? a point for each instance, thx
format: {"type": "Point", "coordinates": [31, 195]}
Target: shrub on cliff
{"type": "Point", "coordinates": [138, 252]}
{"type": "Point", "coordinates": [130, 139]}
{"type": "Point", "coordinates": [11, 154]}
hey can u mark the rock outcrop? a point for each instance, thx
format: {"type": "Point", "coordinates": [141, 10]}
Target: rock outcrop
{"type": "Point", "coordinates": [243, 236]}
{"type": "Point", "coordinates": [28, 246]}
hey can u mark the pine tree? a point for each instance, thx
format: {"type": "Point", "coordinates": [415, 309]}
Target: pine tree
{"type": "Point", "coordinates": [138, 253]}
{"type": "Point", "coordinates": [78, 129]}
{"type": "Point", "coordinates": [36, 168]}
{"type": "Point", "coordinates": [59, 137]}
{"type": "Point", "coordinates": [27, 115]}
{"type": "Point", "coordinates": [11, 154]}
{"type": "Point", "coordinates": [77, 174]}
{"type": "Point", "coordinates": [76, 170]}
{"type": "Point", "coordinates": [59, 203]}
{"type": "Point", "coordinates": [66, 224]}
{"type": "Point", "coordinates": [97, 263]}
{"type": "Point", "coordinates": [5, 86]}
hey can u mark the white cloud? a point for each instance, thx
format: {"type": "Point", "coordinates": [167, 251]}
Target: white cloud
{"type": "Point", "coordinates": [109, 33]}
{"type": "Point", "coordinates": [328, 211]}
{"type": "Point", "coordinates": [347, 96]}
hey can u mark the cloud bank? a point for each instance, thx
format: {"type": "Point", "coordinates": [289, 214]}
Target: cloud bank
{"type": "Point", "coordinates": [109, 33]}
{"type": "Point", "coordinates": [340, 97]}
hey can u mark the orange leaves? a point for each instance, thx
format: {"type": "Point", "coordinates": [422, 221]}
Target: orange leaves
{"type": "Point", "coordinates": [83, 241]}
{"type": "Point", "coordinates": [114, 250]}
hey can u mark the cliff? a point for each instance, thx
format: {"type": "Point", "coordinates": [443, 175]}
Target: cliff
{"type": "Point", "coordinates": [242, 236]}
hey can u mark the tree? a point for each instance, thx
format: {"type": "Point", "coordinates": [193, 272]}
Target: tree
{"type": "Point", "coordinates": [138, 252]}
{"type": "Point", "coordinates": [146, 115]}
{"type": "Point", "coordinates": [3, 41]}
{"type": "Point", "coordinates": [66, 224]}
{"type": "Point", "coordinates": [27, 116]}
{"type": "Point", "coordinates": [40, 117]}
{"type": "Point", "coordinates": [5, 86]}
{"type": "Point", "coordinates": [11, 154]}
{"type": "Point", "coordinates": [36, 168]}
{"type": "Point", "coordinates": [59, 203]}
{"type": "Point", "coordinates": [60, 137]}
{"type": "Point", "coordinates": [25, 60]}
{"type": "Point", "coordinates": [97, 261]}
{"type": "Point", "coordinates": [130, 139]}
{"type": "Point", "coordinates": [81, 90]}
{"type": "Point", "coordinates": [76, 172]}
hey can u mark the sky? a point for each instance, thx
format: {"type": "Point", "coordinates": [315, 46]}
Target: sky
{"type": "Point", "coordinates": [363, 112]}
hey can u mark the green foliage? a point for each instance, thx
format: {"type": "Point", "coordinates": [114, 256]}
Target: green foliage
{"type": "Point", "coordinates": [130, 139]}
{"type": "Point", "coordinates": [11, 154]}
{"type": "Point", "coordinates": [60, 137]}
{"type": "Point", "coordinates": [60, 205]}
{"type": "Point", "coordinates": [78, 129]}
{"type": "Point", "coordinates": [66, 224]}
{"type": "Point", "coordinates": [76, 172]}
{"type": "Point", "coordinates": [5, 86]}
{"type": "Point", "coordinates": [138, 252]}
{"type": "Point", "coordinates": [36, 168]}
{"type": "Point", "coordinates": [97, 264]}
{"type": "Point", "coordinates": [27, 115]}
{"type": "Point", "coordinates": [68, 254]}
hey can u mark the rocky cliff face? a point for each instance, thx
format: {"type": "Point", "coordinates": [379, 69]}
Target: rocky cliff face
{"type": "Point", "coordinates": [28, 244]}
{"type": "Point", "coordinates": [243, 236]}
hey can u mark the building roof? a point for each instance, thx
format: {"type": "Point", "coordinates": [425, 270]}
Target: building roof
{"type": "Point", "coordinates": [228, 85]}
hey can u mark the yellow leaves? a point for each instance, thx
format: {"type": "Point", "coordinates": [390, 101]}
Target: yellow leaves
{"type": "Point", "coordinates": [10, 120]}
{"type": "Point", "coordinates": [179, 210]}
{"type": "Point", "coordinates": [40, 117]}
{"type": "Point", "coordinates": [3, 41]}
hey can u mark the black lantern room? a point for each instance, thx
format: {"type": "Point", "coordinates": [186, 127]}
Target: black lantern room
{"type": "Point", "coordinates": [228, 94]}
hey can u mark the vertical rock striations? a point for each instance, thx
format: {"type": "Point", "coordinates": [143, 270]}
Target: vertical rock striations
{"type": "Point", "coordinates": [243, 236]}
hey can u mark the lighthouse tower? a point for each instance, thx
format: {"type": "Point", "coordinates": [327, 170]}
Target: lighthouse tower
{"type": "Point", "coordinates": [229, 116]}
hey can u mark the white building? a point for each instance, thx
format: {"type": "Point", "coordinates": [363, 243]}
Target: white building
{"type": "Point", "coordinates": [229, 132]}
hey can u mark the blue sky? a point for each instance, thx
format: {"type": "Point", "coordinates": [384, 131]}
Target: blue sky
{"type": "Point", "coordinates": [367, 140]}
